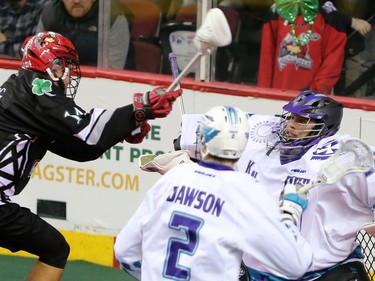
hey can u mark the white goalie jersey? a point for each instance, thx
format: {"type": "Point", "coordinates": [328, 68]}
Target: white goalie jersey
{"type": "Point", "coordinates": [196, 222]}
{"type": "Point", "coordinates": [335, 213]}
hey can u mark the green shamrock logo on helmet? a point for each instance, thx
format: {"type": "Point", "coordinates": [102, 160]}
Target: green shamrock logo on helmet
{"type": "Point", "coordinates": [42, 86]}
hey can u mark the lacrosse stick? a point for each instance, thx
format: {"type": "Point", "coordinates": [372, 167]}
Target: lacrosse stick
{"type": "Point", "coordinates": [353, 156]}
{"type": "Point", "coordinates": [174, 69]}
{"type": "Point", "coordinates": [214, 32]}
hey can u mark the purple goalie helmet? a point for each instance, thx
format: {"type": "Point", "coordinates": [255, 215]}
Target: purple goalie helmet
{"type": "Point", "coordinates": [325, 111]}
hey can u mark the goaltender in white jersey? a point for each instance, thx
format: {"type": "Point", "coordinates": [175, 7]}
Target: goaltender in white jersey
{"type": "Point", "coordinates": [291, 149]}
{"type": "Point", "coordinates": [335, 212]}
{"type": "Point", "coordinates": [197, 221]}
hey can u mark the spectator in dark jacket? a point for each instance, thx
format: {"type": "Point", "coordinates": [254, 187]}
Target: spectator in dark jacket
{"type": "Point", "coordinates": [78, 20]}
{"type": "Point", "coordinates": [18, 20]}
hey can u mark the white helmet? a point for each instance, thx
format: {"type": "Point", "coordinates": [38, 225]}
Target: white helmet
{"type": "Point", "coordinates": [223, 132]}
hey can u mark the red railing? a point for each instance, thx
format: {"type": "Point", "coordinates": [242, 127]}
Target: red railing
{"type": "Point", "coordinates": [189, 83]}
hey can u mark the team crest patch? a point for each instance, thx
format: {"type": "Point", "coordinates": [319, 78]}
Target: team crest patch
{"type": "Point", "coordinates": [42, 87]}
{"type": "Point", "coordinates": [325, 151]}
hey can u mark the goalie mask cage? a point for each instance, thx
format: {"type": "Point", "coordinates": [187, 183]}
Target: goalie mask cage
{"type": "Point", "coordinates": [368, 248]}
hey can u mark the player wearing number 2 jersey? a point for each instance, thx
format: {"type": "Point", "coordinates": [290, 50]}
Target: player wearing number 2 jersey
{"type": "Point", "coordinates": [199, 218]}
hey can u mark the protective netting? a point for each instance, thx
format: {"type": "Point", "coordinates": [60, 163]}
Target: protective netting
{"type": "Point", "coordinates": [368, 247]}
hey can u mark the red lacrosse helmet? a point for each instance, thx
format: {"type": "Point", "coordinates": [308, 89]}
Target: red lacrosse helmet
{"type": "Point", "coordinates": [42, 51]}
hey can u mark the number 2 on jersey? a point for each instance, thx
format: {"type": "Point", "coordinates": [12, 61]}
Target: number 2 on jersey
{"type": "Point", "coordinates": [190, 226]}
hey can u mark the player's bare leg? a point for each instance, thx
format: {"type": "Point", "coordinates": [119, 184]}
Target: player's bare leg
{"type": "Point", "coordinates": [45, 272]}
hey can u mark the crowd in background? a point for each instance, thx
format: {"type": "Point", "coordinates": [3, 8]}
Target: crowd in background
{"type": "Point", "coordinates": [345, 67]}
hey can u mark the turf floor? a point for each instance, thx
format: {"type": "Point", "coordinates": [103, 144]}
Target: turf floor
{"type": "Point", "coordinates": [13, 268]}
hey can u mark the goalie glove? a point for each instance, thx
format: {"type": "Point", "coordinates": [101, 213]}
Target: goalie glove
{"type": "Point", "coordinates": [292, 204]}
{"type": "Point", "coordinates": [164, 162]}
{"type": "Point", "coordinates": [154, 104]}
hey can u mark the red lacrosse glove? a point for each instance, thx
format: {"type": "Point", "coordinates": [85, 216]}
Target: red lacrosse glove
{"type": "Point", "coordinates": [138, 138]}
{"type": "Point", "coordinates": [154, 104]}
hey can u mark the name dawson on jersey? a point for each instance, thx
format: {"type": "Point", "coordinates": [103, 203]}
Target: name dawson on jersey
{"type": "Point", "coordinates": [207, 202]}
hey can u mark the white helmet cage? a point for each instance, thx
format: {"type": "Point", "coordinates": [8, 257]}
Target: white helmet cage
{"type": "Point", "coordinates": [223, 132]}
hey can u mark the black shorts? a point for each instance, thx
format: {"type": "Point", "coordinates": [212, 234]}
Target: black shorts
{"type": "Point", "coordinates": [351, 271]}
{"type": "Point", "coordinates": [20, 229]}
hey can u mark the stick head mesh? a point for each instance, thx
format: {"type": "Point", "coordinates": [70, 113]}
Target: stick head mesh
{"type": "Point", "coordinates": [214, 32]}
{"type": "Point", "coordinates": [353, 155]}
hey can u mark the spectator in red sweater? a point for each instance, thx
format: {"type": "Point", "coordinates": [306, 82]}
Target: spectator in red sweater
{"type": "Point", "coordinates": [303, 46]}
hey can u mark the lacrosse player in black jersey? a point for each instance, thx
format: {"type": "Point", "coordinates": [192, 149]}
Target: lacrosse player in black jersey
{"type": "Point", "coordinates": [38, 114]}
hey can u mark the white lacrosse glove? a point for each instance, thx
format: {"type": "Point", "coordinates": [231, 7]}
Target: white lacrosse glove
{"type": "Point", "coordinates": [164, 162]}
{"type": "Point", "coordinates": [292, 204]}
